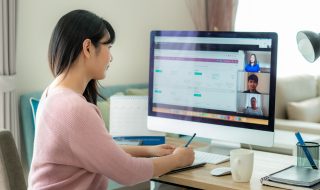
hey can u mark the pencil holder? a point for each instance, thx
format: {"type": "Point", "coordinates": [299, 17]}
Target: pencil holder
{"type": "Point", "coordinates": [302, 159]}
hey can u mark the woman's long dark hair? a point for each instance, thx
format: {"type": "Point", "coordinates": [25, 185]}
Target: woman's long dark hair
{"type": "Point", "coordinates": [66, 43]}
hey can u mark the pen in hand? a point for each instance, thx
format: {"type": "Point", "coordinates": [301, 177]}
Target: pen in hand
{"type": "Point", "coordinates": [190, 140]}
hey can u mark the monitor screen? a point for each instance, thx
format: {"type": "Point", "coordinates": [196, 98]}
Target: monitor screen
{"type": "Point", "coordinates": [220, 85]}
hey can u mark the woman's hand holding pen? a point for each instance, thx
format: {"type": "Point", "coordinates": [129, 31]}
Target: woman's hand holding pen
{"type": "Point", "coordinates": [180, 157]}
{"type": "Point", "coordinates": [185, 155]}
{"type": "Point", "coordinates": [169, 157]}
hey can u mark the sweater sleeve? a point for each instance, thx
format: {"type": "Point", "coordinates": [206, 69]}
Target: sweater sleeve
{"type": "Point", "coordinates": [94, 149]}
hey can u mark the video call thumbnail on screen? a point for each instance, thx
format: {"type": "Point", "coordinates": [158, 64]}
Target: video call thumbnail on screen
{"type": "Point", "coordinates": [188, 76]}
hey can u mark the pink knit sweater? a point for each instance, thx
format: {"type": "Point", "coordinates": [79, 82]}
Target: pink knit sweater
{"type": "Point", "coordinates": [73, 150]}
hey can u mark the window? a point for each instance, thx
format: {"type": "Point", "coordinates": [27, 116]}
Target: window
{"type": "Point", "coordinates": [285, 17]}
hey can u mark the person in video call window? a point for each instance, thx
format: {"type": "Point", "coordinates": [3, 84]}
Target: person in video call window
{"type": "Point", "coordinates": [253, 110]}
{"type": "Point", "coordinates": [253, 65]}
{"type": "Point", "coordinates": [72, 147]}
{"type": "Point", "coordinates": [252, 84]}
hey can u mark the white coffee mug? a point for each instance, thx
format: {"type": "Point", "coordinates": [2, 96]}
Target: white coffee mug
{"type": "Point", "coordinates": [241, 162]}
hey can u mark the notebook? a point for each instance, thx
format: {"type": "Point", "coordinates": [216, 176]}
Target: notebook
{"type": "Point", "coordinates": [294, 176]}
{"type": "Point", "coordinates": [267, 182]}
{"type": "Point", "coordinates": [194, 165]}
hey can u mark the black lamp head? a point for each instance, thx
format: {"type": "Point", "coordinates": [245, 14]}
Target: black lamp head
{"type": "Point", "coordinates": [309, 45]}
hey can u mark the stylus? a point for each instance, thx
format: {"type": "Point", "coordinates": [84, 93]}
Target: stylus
{"type": "Point", "coordinates": [190, 140]}
{"type": "Point", "coordinates": [306, 151]}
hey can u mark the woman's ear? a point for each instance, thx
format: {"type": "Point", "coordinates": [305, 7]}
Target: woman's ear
{"type": "Point", "coordinates": [86, 45]}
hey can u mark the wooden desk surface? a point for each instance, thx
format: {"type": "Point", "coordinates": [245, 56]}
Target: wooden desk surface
{"type": "Point", "coordinates": [264, 164]}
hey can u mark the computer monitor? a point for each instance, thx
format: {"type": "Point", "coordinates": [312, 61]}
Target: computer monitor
{"type": "Point", "coordinates": [220, 85]}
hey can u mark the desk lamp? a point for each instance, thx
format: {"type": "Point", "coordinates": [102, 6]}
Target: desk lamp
{"type": "Point", "coordinates": [309, 45]}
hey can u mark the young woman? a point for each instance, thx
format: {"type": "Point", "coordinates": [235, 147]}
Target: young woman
{"type": "Point", "coordinates": [253, 65]}
{"type": "Point", "coordinates": [72, 148]}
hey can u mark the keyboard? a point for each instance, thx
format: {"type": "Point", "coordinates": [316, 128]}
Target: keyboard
{"type": "Point", "coordinates": [210, 158]}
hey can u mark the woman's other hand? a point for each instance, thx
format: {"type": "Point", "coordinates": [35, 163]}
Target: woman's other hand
{"type": "Point", "coordinates": [161, 150]}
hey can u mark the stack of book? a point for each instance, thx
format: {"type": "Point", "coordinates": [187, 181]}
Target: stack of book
{"type": "Point", "coordinates": [294, 177]}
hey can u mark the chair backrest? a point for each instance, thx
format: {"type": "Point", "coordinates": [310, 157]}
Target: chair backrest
{"type": "Point", "coordinates": [11, 171]}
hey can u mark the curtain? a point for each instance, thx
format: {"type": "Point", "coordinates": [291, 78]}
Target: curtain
{"type": "Point", "coordinates": [8, 97]}
{"type": "Point", "coordinates": [213, 15]}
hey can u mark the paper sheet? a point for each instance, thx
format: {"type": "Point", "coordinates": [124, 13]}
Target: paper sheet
{"type": "Point", "coordinates": [128, 116]}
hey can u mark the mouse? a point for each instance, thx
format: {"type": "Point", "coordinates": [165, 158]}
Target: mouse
{"type": "Point", "coordinates": [221, 171]}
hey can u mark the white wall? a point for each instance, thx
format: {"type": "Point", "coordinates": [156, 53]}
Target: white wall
{"type": "Point", "coordinates": [132, 20]}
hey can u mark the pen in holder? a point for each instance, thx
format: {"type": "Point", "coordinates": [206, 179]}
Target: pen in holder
{"type": "Point", "coordinates": [302, 159]}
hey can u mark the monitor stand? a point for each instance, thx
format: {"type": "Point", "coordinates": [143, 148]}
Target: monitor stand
{"type": "Point", "coordinates": [220, 147]}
